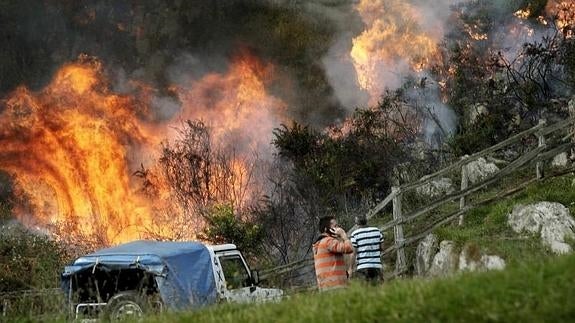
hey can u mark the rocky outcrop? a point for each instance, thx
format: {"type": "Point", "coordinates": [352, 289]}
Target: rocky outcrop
{"type": "Point", "coordinates": [471, 259]}
{"type": "Point", "coordinates": [436, 187]}
{"type": "Point", "coordinates": [552, 221]}
{"type": "Point", "coordinates": [426, 249]}
{"type": "Point", "coordinates": [445, 261]}
{"type": "Point", "coordinates": [480, 169]}
{"type": "Point", "coordinates": [560, 160]}
{"type": "Point", "coordinates": [476, 111]}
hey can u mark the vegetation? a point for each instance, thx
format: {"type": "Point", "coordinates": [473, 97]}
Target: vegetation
{"type": "Point", "coordinates": [29, 260]}
{"type": "Point", "coordinates": [224, 226]}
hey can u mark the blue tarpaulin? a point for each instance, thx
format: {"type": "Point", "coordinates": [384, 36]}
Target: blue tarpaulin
{"type": "Point", "coordinates": [183, 269]}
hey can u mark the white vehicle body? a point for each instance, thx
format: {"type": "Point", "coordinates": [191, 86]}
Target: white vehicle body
{"type": "Point", "coordinates": [227, 255]}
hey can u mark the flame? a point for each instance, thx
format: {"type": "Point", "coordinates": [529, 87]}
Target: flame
{"type": "Point", "coordinates": [392, 36]}
{"type": "Point", "coordinates": [472, 31]}
{"type": "Point", "coordinates": [73, 145]}
{"type": "Point", "coordinates": [241, 114]}
{"type": "Point", "coordinates": [67, 146]}
{"type": "Point", "coordinates": [523, 13]}
{"type": "Point", "coordinates": [564, 15]}
{"type": "Point", "coordinates": [236, 104]}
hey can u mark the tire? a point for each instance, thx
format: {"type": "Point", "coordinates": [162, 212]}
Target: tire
{"type": "Point", "coordinates": [128, 305]}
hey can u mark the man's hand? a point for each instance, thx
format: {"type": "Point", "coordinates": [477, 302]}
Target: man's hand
{"type": "Point", "coordinates": [340, 233]}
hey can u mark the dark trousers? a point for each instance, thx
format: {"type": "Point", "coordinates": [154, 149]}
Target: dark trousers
{"type": "Point", "coordinates": [372, 275]}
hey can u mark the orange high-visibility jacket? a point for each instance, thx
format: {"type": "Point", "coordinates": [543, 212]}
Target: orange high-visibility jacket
{"type": "Point", "coordinates": [330, 268]}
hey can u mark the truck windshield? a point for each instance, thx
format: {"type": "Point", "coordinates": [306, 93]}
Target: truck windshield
{"type": "Point", "coordinates": [235, 272]}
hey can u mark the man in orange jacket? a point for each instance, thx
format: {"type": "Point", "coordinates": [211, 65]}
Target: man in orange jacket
{"type": "Point", "coordinates": [328, 255]}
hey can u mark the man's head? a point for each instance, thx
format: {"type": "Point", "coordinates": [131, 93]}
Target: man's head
{"type": "Point", "coordinates": [326, 223]}
{"type": "Point", "coordinates": [360, 220]}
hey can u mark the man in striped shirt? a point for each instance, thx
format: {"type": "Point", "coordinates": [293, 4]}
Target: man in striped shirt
{"type": "Point", "coordinates": [368, 244]}
{"type": "Point", "coordinates": [328, 255]}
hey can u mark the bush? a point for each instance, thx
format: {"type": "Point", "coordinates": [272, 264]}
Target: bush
{"type": "Point", "coordinates": [28, 260]}
{"type": "Point", "coordinates": [226, 227]}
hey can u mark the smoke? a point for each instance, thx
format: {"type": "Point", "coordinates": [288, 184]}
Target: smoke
{"type": "Point", "coordinates": [342, 75]}
{"type": "Point", "coordinates": [440, 121]}
{"type": "Point", "coordinates": [393, 42]}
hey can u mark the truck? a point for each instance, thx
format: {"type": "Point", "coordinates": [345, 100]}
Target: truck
{"type": "Point", "coordinates": [141, 277]}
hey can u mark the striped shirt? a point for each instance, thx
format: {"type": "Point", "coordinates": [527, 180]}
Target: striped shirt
{"type": "Point", "coordinates": [330, 267]}
{"type": "Point", "coordinates": [367, 242]}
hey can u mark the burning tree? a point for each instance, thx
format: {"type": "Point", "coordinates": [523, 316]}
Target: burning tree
{"type": "Point", "coordinates": [202, 179]}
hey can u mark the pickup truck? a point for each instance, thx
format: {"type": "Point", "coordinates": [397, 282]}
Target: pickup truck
{"type": "Point", "coordinates": [139, 277]}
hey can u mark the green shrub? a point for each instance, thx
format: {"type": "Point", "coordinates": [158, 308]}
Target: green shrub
{"type": "Point", "coordinates": [28, 260]}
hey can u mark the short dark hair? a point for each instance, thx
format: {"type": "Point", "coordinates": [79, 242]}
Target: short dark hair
{"type": "Point", "coordinates": [324, 223]}
{"type": "Point", "coordinates": [360, 220]}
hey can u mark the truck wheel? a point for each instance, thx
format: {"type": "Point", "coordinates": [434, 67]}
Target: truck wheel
{"type": "Point", "coordinates": [125, 306]}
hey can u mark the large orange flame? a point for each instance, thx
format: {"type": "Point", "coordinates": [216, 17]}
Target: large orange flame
{"type": "Point", "coordinates": [236, 104]}
{"type": "Point", "coordinates": [392, 37]}
{"type": "Point", "coordinates": [67, 146]}
{"type": "Point", "coordinates": [73, 146]}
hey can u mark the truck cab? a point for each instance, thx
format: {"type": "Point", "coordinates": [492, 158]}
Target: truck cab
{"type": "Point", "coordinates": [139, 277]}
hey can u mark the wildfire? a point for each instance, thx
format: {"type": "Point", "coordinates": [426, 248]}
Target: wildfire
{"type": "Point", "coordinates": [392, 37]}
{"type": "Point", "coordinates": [67, 146]}
{"type": "Point", "coordinates": [564, 15]}
{"type": "Point", "coordinates": [73, 146]}
{"type": "Point", "coordinates": [241, 114]}
{"type": "Point", "coordinates": [236, 104]}
{"type": "Point", "coordinates": [474, 33]}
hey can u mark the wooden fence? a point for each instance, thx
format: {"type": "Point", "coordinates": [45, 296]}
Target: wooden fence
{"type": "Point", "coordinates": [550, 140]}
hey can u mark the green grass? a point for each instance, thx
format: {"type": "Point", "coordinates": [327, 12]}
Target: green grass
{"type": "Point", "coordinates": [539, 292]}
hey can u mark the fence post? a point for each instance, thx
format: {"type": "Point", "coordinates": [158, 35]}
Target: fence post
{"type": "Point", "coordinates": [541, 139]}
{"type": "Point", "coordinates": [464, 185]}
{"type": "Point", "coordinates": [571, 109]}
{"type": "Point", "coordinates": [400, 263]}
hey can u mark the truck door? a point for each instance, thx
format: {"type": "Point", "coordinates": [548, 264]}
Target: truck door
{"type": "Point", "coordinates": [238, 283]}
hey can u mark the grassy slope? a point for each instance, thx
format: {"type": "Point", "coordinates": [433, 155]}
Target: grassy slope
{"type": "Point", "coordinates": [486, 227]}
{"type": "Point", "coordinates": [540, 291]}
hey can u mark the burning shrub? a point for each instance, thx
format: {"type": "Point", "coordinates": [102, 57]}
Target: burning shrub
{"type": "Point", "coordinates": [519, 70]}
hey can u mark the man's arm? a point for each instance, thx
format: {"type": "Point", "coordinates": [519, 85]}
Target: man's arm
{"type": "Point", "coordinates": [341, 245]}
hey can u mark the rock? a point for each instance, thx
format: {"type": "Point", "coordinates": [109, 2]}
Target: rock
{"type": "Point", "coordinates": [552, 221]}
{"type": "Point", "coordinates": [436, 187]}
{"type": "Point", "coordinates": [492, 262]}
{"type": "Point", "coordinates": [426, 249]}
{"type": "Point", "coordinates": [560, 248]}
{"type": "Point", "coordinates": [471, 259]}
{"type": "Point", "coordinates": [480, 169]}
{"type": "Point", "coordinates": [476, 111]}
{"type": "Point", "coordinates": [560, 160]}
{"type": "Point", "coordinates": [445, 261]}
